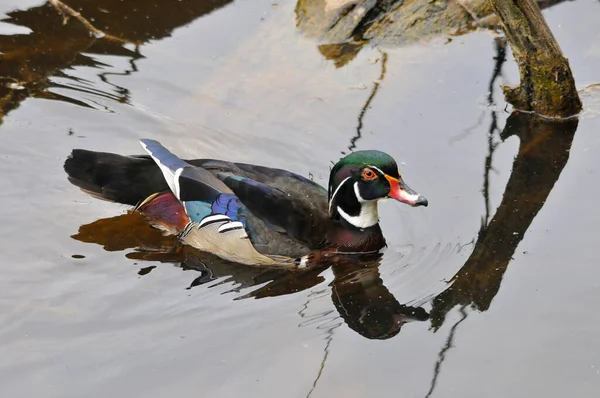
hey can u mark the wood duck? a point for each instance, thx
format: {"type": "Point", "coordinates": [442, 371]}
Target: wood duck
{"type": "Point", "coordinates": [246, 213]}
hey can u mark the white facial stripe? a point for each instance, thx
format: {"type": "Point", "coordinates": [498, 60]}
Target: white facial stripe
{"type": "Point", "coordinates": [335, 193]}
{"type": "Point", "coordinates": [376, 168]}
{"type": "Point", "coordinates": [358, 195]}
{"type": "Point", "coordinates": [367, 218]}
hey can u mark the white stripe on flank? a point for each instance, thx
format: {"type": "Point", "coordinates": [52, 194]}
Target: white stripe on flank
{"type": "Point", "coordinates": [186, 230]}
{"type": "Point", "coordinates": [229, 226]}
{"type": "Point", "coordinates": [336, 191]}
{"type": "Point", "coordinates": [214, 218]}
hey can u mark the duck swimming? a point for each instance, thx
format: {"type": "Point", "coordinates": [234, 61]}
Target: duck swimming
{"type": "Point", "coordinates": [250, 214]}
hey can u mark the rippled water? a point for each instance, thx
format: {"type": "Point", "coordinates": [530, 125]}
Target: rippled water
{"type": "Point", "coordinates": [490, 291]}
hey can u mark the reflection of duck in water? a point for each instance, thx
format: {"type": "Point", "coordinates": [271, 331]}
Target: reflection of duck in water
{"type": "Point", "coordinates": [366, 305]}
{"type": "Point", "coordinates": [132, 231]}
{"type": "Point", "coordinates": [358, 292]}
{"type": "Point", "coordinates": [251, 214]}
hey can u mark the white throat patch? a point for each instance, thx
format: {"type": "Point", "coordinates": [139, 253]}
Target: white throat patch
{"type": "Point", "coordinates": [368, 215]}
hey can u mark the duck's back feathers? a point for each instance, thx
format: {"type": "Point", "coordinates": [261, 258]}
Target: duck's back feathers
{"type": "Point", "coordinates": [187, 182]}
{"type": "Point", "coordinates": [285, 201]}
{"type": "Point", "coordinates": [282, 213]}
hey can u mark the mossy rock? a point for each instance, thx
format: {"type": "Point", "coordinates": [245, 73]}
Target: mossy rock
{"type": "Point", "coordinates": [389, 22]}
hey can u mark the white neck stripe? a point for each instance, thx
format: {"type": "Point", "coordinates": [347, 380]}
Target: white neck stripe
{"type": "Point", "coordinates": [367, 217]}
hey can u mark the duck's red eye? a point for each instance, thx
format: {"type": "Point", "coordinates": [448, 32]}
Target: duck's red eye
{"type": "Point", "coordinates": [369, 174]}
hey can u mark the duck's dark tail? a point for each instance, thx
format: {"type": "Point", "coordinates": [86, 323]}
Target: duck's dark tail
{"type": "Point", "coordinates": [123, 179]}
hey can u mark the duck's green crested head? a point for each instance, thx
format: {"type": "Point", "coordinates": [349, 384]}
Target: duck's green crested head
{"type": "Point", "coordinates": [363, 177]}
{"type": "Point", "coordinates": [356, 161]}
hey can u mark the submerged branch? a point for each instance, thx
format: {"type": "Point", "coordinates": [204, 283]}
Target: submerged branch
{"type": "Point", "coordinates": [67, 12]}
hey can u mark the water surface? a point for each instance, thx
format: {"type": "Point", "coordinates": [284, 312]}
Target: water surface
{"type": "Point", "coordinates": [490, 291]}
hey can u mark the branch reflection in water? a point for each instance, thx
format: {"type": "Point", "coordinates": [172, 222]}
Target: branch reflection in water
{"type": "Point", "coordinates": [543, 154]}
{"type": "Point", "coordinates": [38, 63]}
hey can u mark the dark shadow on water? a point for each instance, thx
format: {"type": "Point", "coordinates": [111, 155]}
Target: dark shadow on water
{"type": "Point", "coordinates": [357, 291]}
{"type": "Point", "coordinates": [58, 43]}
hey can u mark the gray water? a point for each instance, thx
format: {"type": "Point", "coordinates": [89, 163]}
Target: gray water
{"type": "Point", "coordinates": [94, 303]}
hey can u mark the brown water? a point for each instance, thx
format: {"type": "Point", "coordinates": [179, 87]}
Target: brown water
{"type": "Point", "coordinates": [498, 276]}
